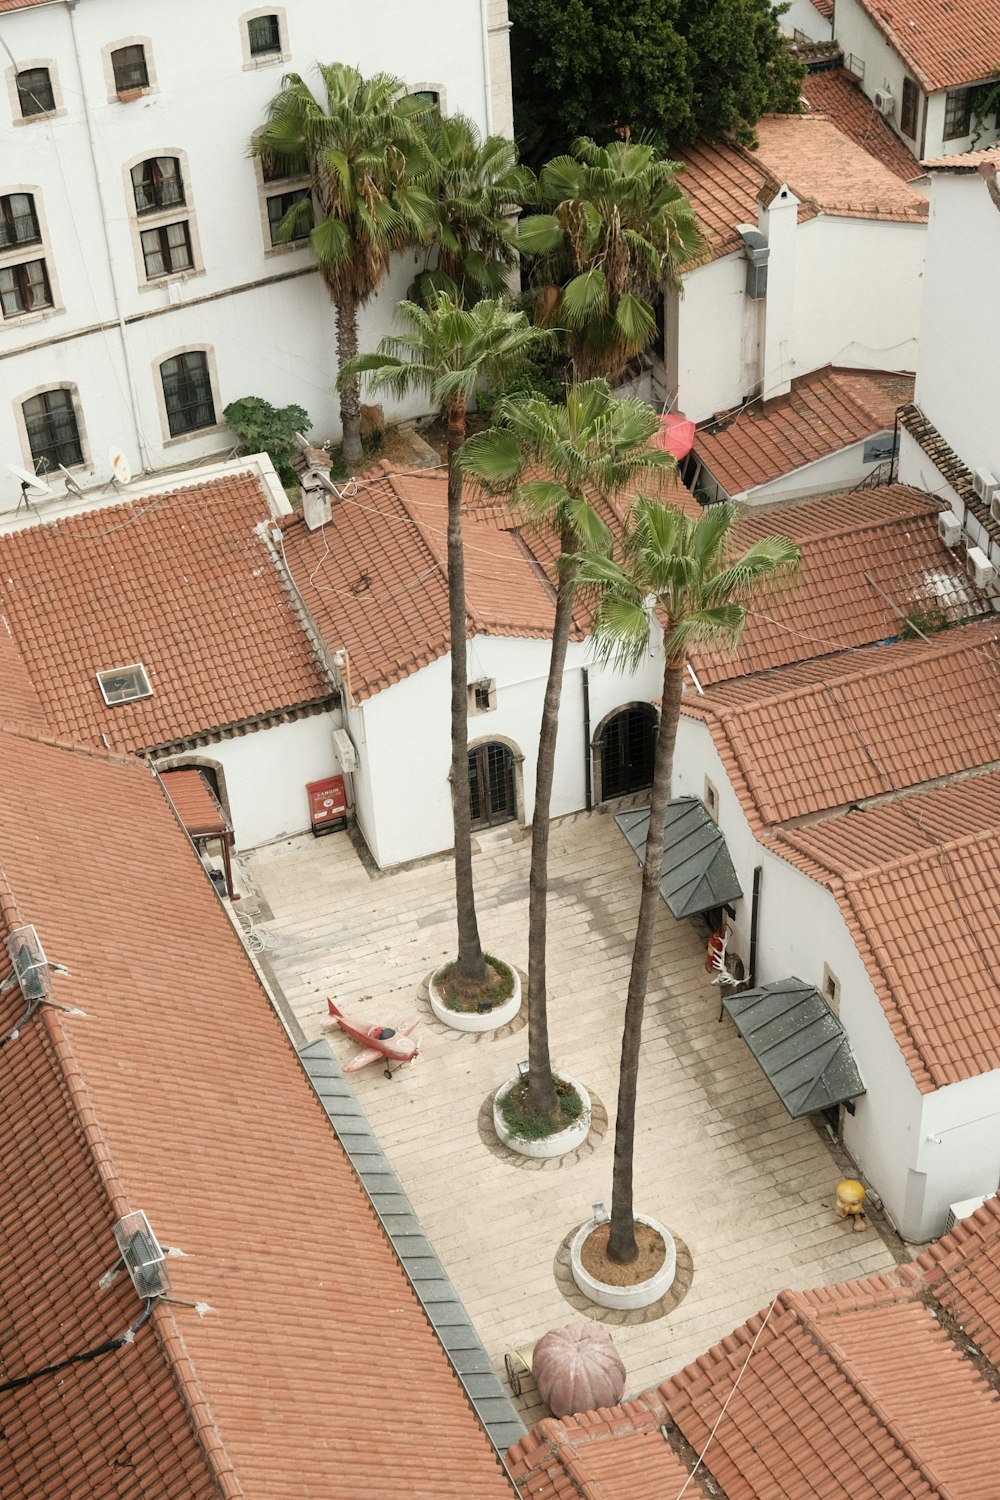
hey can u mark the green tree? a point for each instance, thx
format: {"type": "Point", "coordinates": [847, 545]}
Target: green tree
{"type": "Point", "coordinates": [591, 446]}
{"type": "Point", "coordinates": [368, 166]}
{"type": "Point", "coordinates": [263, 428]}
{"type": "Point", "coordinates": [476, 187]}
{"type": "Point", "coordinates": [617, 229]}
{"type": "Point", "coordinates": [702, 587]}
{"type": "Point", "coordinates": [447, 352]}
{"type": "Point", "coordinates": [656, 68]}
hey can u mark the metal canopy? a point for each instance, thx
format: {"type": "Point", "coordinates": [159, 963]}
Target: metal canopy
{"type": "Point", "coordinates": [697, 871]}
{"type": "Point", "coordinates": [799, 1043]}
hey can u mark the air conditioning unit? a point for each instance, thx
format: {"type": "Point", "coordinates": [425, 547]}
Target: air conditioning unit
{"type": "Point", "coordinates": [962, 1210]}
{"type": "Point", "coordinates": [979, 568]}
{"type": "Point", "coordinates": [884, 102]}
{"type": "Point", "coordinates": [995, 508]}
{"type": "Point", "coordinates": [949, 528]}
{"type": "Point", "coordinates": [984, 484]}
{"type": "Point", "coordinates": [346, 753]}
{"type": "Point", "coordinates": [140, 1250]}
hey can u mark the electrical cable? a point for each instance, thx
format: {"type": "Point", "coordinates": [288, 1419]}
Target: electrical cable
{"type": "Point", "coordinates": [108, 1347]}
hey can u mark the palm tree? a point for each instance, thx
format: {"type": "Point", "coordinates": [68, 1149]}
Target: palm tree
{"type": "Point", "coordinates": [617, 229]}
{"type": "Point", "coordinates": [477, 187]}
{"type": "Point", "coordinates": [591, 446]}
{"type": "Point", "coordinates": [368, 167]}
{"type": "Point", "coordinates": [689, 569]}
{"type": "Point", "coordinates": [448, 351]}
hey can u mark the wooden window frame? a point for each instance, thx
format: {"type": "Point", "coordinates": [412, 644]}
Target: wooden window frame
{"type": "Point", "coordinates": [909, 110]}
{"type": "Point", "coordinates": [69, 393]}
{"type": "Point", "coordinates": [166, 249]}
{"type": "Point", "coordinates": [26, 288]}
{"type": "Point", "coordinates": [172, 411]}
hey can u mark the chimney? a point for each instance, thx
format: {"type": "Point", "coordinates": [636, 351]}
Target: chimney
{"type": "Point", "coordinates": [777, 221]}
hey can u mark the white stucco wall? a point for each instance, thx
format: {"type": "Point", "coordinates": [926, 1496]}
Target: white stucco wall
{"type": "Point", "coordinates": [275, 336]}
{"type": "Point", "coordinates": [803, 16]}
{"type": "Point", "coordinates": [713, 339]}
{"type": "Point", "coordinates": [838, 471]}
{"type": "Point", "coordinates": [801, 928]}
{"type": "Point", "coordinates": [266, 773]}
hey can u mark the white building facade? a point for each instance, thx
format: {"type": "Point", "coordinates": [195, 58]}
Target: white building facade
{"type": "Point", "coordinates": [141, 289]}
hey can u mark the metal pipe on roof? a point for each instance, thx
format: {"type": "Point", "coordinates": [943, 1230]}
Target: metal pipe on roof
{"type": "Point", "coordinates": [754, 915]}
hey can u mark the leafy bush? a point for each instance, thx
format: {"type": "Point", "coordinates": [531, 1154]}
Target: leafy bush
{"type": "Point", "coordinates": [537, 378]}
{"type": "Point", "coordinates": [263, 428]}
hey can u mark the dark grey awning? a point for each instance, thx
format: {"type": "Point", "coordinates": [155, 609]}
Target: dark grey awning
{"type": "Point", "coordinates": [697, 871]}
{"type": "Point", "coordinates": [799, 1043]}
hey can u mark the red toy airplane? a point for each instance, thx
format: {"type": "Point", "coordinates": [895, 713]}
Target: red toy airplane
{"type": "Point", "coordinates": [392, 1045]}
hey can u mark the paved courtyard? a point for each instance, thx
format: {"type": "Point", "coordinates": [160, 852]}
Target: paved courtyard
{"type": "Point", "coordinates": [748, 1191]}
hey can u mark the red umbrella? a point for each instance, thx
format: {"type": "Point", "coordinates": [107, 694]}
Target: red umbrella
{"type": "Point", "coordinates": [676, 436]}
{"type": "Point", "coordinates": [578, 1368]}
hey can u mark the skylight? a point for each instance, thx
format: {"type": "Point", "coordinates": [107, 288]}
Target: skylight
{"type": "Point", "coordinates": [124, 684]}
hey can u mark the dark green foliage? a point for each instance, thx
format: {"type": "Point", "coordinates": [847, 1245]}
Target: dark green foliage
{"type": "Point", "coordinates": [263, 428]}
{"type": "Point", "coordinates": [520, 1120]}
{"type": "Point", "coordinates": [540, 376]}
{"type": "Point", "coordinates": [655, 68]}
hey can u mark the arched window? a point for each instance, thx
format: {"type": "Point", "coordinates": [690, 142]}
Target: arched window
{"type": "Point", "coordinates": [492, 785]}
{"type": "Point", "coordinates": [53, 430]}
{"type": "Point", "coordinates": [187, 392]}
{"type": "Point", "coordinates": [627, 746]}
{"type": "Point", "coordinates": [157, 184]}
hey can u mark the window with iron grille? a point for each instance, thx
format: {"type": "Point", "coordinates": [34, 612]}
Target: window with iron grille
{"type": "Point", "coordinates": [53, 432]}
{"type": "Point", "coordinates": [957, 114]}
{"type": "Point", "coordinates": [166, 249]}
{"type": "Point", "coordinates": [129, 67]}
{"type": "Point", "coordinates": [909, 114]}
{"type": "Point", "coordinates": [24, 288]}
{"type": "Point", "coordinates": [34, 92]}
{"type": "Point", "coordinates": [283, 203]}
{"type": "Point", "coordinates": [157, 184]}
{"type": "Point", "coordinates": [265, 35]}
{"type": "Point", "coordinates": [628, 745]}
{"type": "Point", "coordinates": [18, 221]}
{"type": "Point", "coordinates": [187, 393]}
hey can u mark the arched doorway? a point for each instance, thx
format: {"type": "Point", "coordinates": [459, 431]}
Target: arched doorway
{"type": "Point", "coordinates": [627, 745]}
{"type": "Point", "coordinates": [492, 784]}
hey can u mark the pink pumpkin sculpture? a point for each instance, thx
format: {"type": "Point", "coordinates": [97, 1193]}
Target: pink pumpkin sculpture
{"type": "Point", "coordinates": [577, 1368]}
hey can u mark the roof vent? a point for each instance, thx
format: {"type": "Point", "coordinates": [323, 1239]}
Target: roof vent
{"type": "Point", "coordinates": [140, 1250]}
{"type": "Point", "coordinates": [124, 684]}
{"type": "Point", "coordinates": [756, 250]}
{"type": "Point", "coordinates": [949, 528]}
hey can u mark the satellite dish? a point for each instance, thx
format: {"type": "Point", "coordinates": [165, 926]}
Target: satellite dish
{"type": "Point", "coordinates": [29, 480]}
{"type": "Point", "coordinates": [72, 488]}
{"type": "Point", "coordinates": [119, 465]}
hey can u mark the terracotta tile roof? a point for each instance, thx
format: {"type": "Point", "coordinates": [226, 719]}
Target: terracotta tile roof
{"type": "Point", "coordinates": [915, 879]}
{"type": "Point", "coordinates": [19, 702]}
{"type": "Point", "coordinates": [820, 735]}
{"type": "Point", "coordinates": [375, 579]}
{"type": "Point", "coordinates": [315, 1373]}
{"type": "Point", "coordinates": [824, 166]}
{"type": "Point", "coordinates": [615, 1454]}
{"type": "Point", "coordinates": [966, 161]}
{"type": "Point", "coordinates": [825, 8]}
{"type": "Point", "coordinates": [963, 1272]}
{"type": "Point", "coordinates": [888, 534]}
{"type": "Point", "coordinates": [21, 4]}
{"type": "Point", "coordinates": [944, 43]}
{"type": "Point", "coordinates": [826, 170]}
{"type": "Point", "coordinates": [825, 411]}
{"type": "Point", "coordinates": [837, 94]}
{"type": "Point", "coordinates": [179, 582]}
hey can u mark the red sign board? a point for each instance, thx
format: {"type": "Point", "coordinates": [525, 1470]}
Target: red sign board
{"type": "Point", "coordinates": [327, 803]}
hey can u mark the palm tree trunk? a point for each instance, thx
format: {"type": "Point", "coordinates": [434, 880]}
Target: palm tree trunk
{"type": "Point", "coordinates": [622, 1245]}
{"type": "Point", "coordinates": [542, 1097]}
{"type": "Point", "coordinates": [470, 967]}
{"type": "Point", "coordinates": [350, 396]}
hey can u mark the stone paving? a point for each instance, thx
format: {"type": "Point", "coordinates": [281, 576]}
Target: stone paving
{"type": "Point", "coordinates": [748, 1191]}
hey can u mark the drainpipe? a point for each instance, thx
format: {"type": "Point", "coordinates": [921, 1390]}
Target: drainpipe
{"type": "Point", "coordinates": [586, 738]}
{"type": "Point", "coordinates": [487, 79]}
{"type": "Point", "coordinates": [132, 393]}
{"type": "Point", "coordinates": [754, 914]}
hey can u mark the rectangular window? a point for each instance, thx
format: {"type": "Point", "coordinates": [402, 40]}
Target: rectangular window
{"type": "Point", "coordinates": [831, 989]}
{"type": "Point", "coordinates": [129, 67]}
{"type": "Point", "coordinates": [167, 249]}
{"type": "Point", "coordinates": [280, 205]}
{"type": "Point", "coordinates": [711, 799]}
{"type": "Point", "coordinates": [909, 116]}
{"type": "Point", "coordinates": [24, 288]}
{"type": "Point", "coordinates": [430, 95]}
{"type": "Point", "coordinates": [34, 92]}
{"type": "Point", "coordinates": [187, 393]}
{"type": "Point", "coordinates": [265, 35]}
{"type": "Point", "coordinates": [124, 684]}
{"type": "Point", "coordinates": [18, 221]}
{"type": "Point", "coordinates": [482, 695]}
{"type": "Point", "coordinates": [157, 184]}
{"type": "Point", "coordinates": [53, 433]}
{"type": "Point", "coordinates": [958, 114]}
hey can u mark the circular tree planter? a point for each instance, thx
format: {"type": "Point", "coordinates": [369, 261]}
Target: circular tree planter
{"type": "Point", "coordinates": [469, 1020]}
{"type": "Point", "coordinates": [623, 1298]}
{"type": "Point", "coordinates": [550, 1145]}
